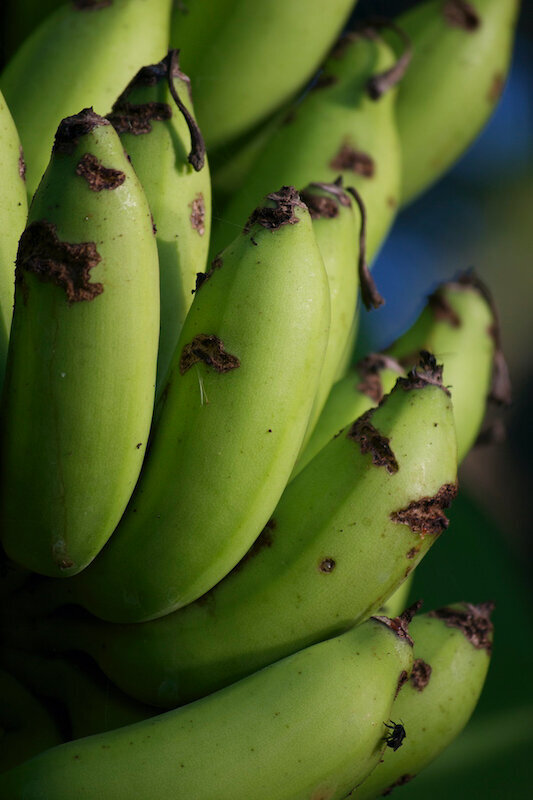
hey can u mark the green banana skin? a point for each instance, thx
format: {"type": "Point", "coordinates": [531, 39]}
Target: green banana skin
{"type": "Point", "coordinates": [324, 562]}
{"type": "Point", "coordinates": [92, 704]}
{"type": "Point", "coordinates": [79, 388]}
{"type": "Point", "coordinates": [13, 213]}
{"type": "Point", "coordinates": [156, 136]}
{"type": "Point", "coordinates": [309, 726]}
{"type": "Point", "coordinates": [228, 432]}
{"type": "Point", "coordinates": [337, 129]}
{"type": "Point", "coordinates": [26, 727]}
{"type": "Point", "coordinates": [82, 55]}
{"type": "Point", "coordinates": [459, 658]}
{"type": "Point", "coordinates": [461, 56]}
{"type": "Point", "coordinates": [225, 53]}
{"type": "Point", "coordinates": [460, 325]}
{"type": "Point", "coordinates": [363, 388]}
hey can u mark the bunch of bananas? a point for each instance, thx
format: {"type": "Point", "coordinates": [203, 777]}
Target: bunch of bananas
{"type": "Point", "coordinates": [208, 517]}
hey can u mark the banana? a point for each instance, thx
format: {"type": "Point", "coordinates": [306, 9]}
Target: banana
{"type": "Point", "coordinates": [309, 726]}
{"type": "Point", "coordinates": [13, 213]}
{"type": "Point", "coordinates": [228, 431]}
{"type": "Point", "coordinates": [363, 388]}
{"type": "Point", "coordinates": [20, 18]}
{"type": "Point", "coordinates": [452, 654]}
{"type": "Point", "coordinates": [82, 55]}
{"type": "Point", "coordinates": [461, 55]}
{"type": "Point", "coordinates": [153, 117]}
{"type": "Point", "coordinates": [91, 703]}
{"type": "Point", "coordinates": [80, 375]}
{"type": "Point", "coordinates": [26, 727]}
{"type": "Point", "coordinates": [225, 53]}
{"type": "Point", "coordinates": [345, 534]}
{"type": "Point", "coordinates": [337, 129]}
{"type": "Point", "coordinates": [460, 325]}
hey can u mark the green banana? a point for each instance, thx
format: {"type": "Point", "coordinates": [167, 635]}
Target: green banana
{"type": "Point", "coordinates": [91, 703]}
{"type": "Point", "coordinates": [228, 431]}
{"type": "Point", "coordinates": [461, 55]}
{"type": "Point", "coordinates": [225, 53]}
{"type": "Point", "coordinates": [460, 325]}
{"type": "Point", "coordinates": [345, 534]}
{"type": "Point", "coordinates": [26, 727]}
{"type": "Point", "coordinates": [81, 364]}
{"type": "Point", "coordinates": [363, 388]}
{"type": "Point", "coordinates": [82, 55]}
{"type": "Point", "coordinates": [13, 213]}
{"type": "Point", "coordinates": [337, 129]}
{"type": "Point", "coordinates": [158, 131]}
{"type": "Point", "coordinates": [309, 726]}
{"type": "Point", "coordinates": [452, 653]}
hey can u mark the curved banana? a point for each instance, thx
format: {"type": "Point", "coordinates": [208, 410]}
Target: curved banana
{"type": "Point", "coordinates": [460, 325]}
{"type": "Point", "coordinates": [461, 55]}
{"type": "Point", "coordinates": [153, 117]}
{"type": "Point", "coordinates": [363, 388]}
{"type": "Point", "coordinates": [226, 50]}
{"type": "Point", "coordinates": [309, 726]}
{"type": "Point", "coordinates": [452, 654]}
{"type": "Point", "coordinates": [345, 534]}
{"type": "Point", "coordinates": [228, 431]}
{"type": "Point", "coordinates": [26, 727]}
{"type": "Point", "coordinates": [13, 213]}
{"type": "Point", "coordinates": [337, 129]}
{"type": "Point", "coordinates": [80, 375]}
{"type": "Point", "coordinates": [82, 55]}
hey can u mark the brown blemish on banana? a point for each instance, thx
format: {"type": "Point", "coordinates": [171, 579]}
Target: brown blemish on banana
{"type": "Point", "coordinates": [67, 265]}
{"type": "Point", "coordinates": [198, 214]}
{"type": "Point", "coordinates": [496, 88]}
{"type": "Point", "coordinates": [461, 14]}
{"type": "Point", "coordinates": [71, 129]}
{"type": "Point", "coordinates": [370, 440]}
{"type": "Point", "coordinates": [426, 515]}
{"type": "Point", "coordinates": [420, 674]}
{"type": "Point", "coordinates": [441, 308]}
{"type": "Point", "coordinates": [92, 5]}
{"type": "Point", "coordinates": [210, 350]}
{"type": "Point", "coordinates": [22, 164]}
{"type": "Point", "coordinates": [326, 204]}
{"type": "Point", "coordinates": [426, 373]}
{"type": "Point", "coordinates": [327, 565]}
{"type": "Point", "coordinates": [202, 277]}
{"type": "Point", "coordinates": [137, 118]}
{"type": "Point", "coordinates": [97, 176]}
{"type": "Point", "coordinates": [400, 625]}
{"type": "Point", "coordinates": [473, 620]}
{"type": "Point", "coordinates": [402, 780]}
{"type": "Point", "coordinates": [353, 160]}
{"type": "Point", "coordinates": [369, 369]}
{"type": "Point", "coordinates": [282, 213]}
{"type": "Point", "coordinates": [412, 552]}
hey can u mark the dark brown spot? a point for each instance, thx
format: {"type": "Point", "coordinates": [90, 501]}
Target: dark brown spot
{"type": "Point", "coordinates": [92, 5]}
{"type": "Point", "coordinates": [198, 214]}
{"type": "Point", "coordinates": [22, 164]}
{"type": "Point", "coordinates": [65, 264]}
{"type": "Point", "coordinates": [473, 620]}
{"type": "Point", "coordinates": [137, 118]}
{"type": "Point", "coordinates": [392, 202]}
{"type": "Point", "coordinates": [139, 445]}
{"type": "Point", "coordinates": [370, 440]}
{"type": "Point", "coordinates": [65, 563]}
{"type": "Point", "coordinates": [97, 176]}
{"type": "Point", "coordinates": [400, 782]}
{"type": "Point", "coordinates": [496, 88]}
{"type": "Point", "coordinates": [441, 308]}
{"type": "Point", "coordinates": [426, 516]}
{"type": "Point", "coordinates": [426, 373]}
{"type": "Point", "coordinates": [71, 129]}
{"type": "Point", "coordinates": [209, 349]}
{"type": "Point", "coordinates": [369, 369]}
{"type": "Point", "coordinates": [327, 565]}
{"type": "Point", "coordinates": [461, 14]}
{"type": "Point", "coordinates": [281, 213]}
{"type": "Point", "coordinates": [202, 277]}
{"type": "Point", "coordinates": [154, 226]}
{"type": "Point", "coordinates": [320, 207]}
{"type": "Point", "coordinates": [420, 674]}
{"type": "Point", "coordinates": [400, 625]}
{"type": "Point", "coordinates": [412, 552]}
{"type": "Point", "coordinates": [354, 160]}
{"type": "Point", "coordinates": [402, 680]}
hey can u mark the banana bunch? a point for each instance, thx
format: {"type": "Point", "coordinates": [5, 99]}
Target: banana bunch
{"type": "Point", "coordinates": [209, 518]}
